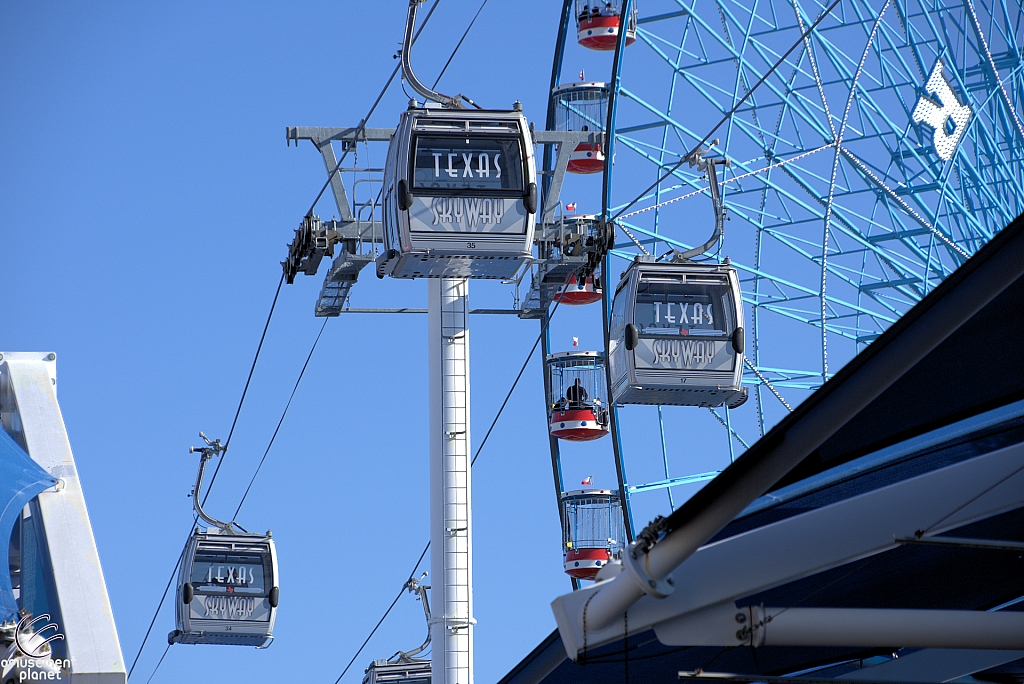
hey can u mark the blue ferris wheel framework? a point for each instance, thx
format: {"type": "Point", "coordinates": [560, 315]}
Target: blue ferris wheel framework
{"type": "Point", "coordinates": [882, 153]}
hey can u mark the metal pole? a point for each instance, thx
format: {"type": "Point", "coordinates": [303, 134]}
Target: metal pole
{"type": "Point", "coordinates": [451, 557]}
{"type": "Point", "coordinates": [664, 456]}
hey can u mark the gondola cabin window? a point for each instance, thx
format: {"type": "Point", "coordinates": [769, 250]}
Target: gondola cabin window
{"type": "Point", "coordinates": [684, 327]}
{"type": "Point", "coordinates": [229, 586]}
{"type": "Point", "coordinates": [469, 164]}
{"type": "Point", "coordinates": [468, 184]}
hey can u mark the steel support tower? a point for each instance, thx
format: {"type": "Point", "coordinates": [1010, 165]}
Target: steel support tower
{"type": "Point", "coordinates": [451, 557]}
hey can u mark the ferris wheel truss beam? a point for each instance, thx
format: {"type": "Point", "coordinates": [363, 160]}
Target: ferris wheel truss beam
{"type": "Point", "coordinates": [608, 286]}
{"type": "Point", "coordinates": [727, 424]}
{"type": "Point", "coordinates": [806, 291]}
{"type": "Point", "coordinates": [672, 482]}
{"type": "Point", "coordinates": [901, 276]}
{"type": "Point", "coordinates": [710, 89]}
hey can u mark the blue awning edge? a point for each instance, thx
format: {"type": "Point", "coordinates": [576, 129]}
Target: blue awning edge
{"type": "Point", "coordinates": [21, 479]}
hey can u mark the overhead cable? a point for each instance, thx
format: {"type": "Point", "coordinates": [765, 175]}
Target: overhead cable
{"type": "Point", "coordinates": [330, 176]}
{"type": "Point", "coordinates": [231, 432]}
{"type": "Point", "coordinates": [281, 421]}
{"type": "Point", "coordinates": [386, 612]}
{"type": "Point", "coordinates": [452, 56]}
{"type": "Point", "coordinates": [362, 124]}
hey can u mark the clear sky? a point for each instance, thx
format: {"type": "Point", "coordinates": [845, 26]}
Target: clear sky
{"type": "Point", "coordinates": [146, 198]}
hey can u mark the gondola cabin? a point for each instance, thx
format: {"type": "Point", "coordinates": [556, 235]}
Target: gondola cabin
{"type": "Point", "coordinates": [578, 400]}
{"type": "Point", "coordinates": [227, 590]}
{"type": "Point", "coordinates": [459, 196]}
{"type": "Point", "coordinates": [598, 24]}
{"type": "Point", "coordinates": [676, 335]}
{"type": "Point", "coordinates": [593, 531]}
{"type": "Point", "coordinates": [583, 107]}
{"type": "Point", "coordinates": [574, 293]}
{"type": "Point", "coordinates": [413, 671]}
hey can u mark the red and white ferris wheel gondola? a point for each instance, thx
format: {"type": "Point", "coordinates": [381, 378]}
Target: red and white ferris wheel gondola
{"type": "Point", "coordinates": [583, 107]}
{"type": "Point", "coordinates": [601, 32]}
{"type": "Point", "coordinates": [573, 294]}
{"type": "Point", "coordinates": [598, 23]}
{"type": "Point", "coordinates": [578, 425]}
{"type": "Point", "coordinates": [592, 531]}
{"type": "Point", "coordinates": [587, 158]}
{"type": "Point", "coordinates": [586, 563]}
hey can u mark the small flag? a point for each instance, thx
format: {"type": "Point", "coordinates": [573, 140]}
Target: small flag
{"type": "Point", "coordinates": [582, 77]}
{"type": "Point", "coordinates": [570, 207]}
{"type": "Point", "coordinates": [587, 480]}
{"type": "Point", "coordinates": [575, 341]}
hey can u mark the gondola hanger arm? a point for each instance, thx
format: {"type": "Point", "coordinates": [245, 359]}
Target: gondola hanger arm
{"type": "Point", "coordinates": [212, 448]}
{"type": "Point", "coordinates": [447, 101]}
{"type": "Point", "coordinates": [700, 160]}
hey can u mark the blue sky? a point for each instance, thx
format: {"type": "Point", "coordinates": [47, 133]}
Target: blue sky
{"type": "Point", "coordinates": [146, 197]}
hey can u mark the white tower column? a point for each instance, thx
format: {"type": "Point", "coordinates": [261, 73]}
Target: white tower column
{"type": "Point", "coordinates": [451, 549]}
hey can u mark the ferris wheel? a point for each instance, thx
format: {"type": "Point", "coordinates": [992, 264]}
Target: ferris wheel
{"type": "Point", "coordinates": [858, 164]}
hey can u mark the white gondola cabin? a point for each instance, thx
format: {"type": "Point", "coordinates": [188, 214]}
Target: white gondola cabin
{"type": "Point", "coordinates": [460, 195]}
{"type": "Point", "coordinates": [593, 533]}
{"type": "Point", "coordinates": [583, 107]}
{"type": "Point", "coordinates": [227, 590]}
{"type": "Point", "coordinates": [227, 579]}
{"type": "Point", "coordinates": [598, 24]}
{"type": "Point", "coordinates": [413, 671]}
{"type": "Point", "coordinates": [677, 335]}
{"type": "Point", "coordinates": [578, 403]}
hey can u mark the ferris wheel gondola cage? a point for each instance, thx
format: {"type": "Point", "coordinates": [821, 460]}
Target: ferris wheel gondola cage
{"type": "Point", "coordinates": [592, 531]}
{"type": "Point", "coordinates": [598, 24]}
{"type": "Point", "coordinates": [583, 107]}
{"type": "Point", "coordinates": [578, 401]}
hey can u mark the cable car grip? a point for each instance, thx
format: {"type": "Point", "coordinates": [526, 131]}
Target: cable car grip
{"type": "Point", "coordinates": [212, 448]}
{"type": "Point", "coordinates": [448, 101]}
{"type": "Point", "coordinates": [702, 163]}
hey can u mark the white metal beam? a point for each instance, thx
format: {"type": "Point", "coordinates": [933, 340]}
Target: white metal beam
{"type": "Point", "coordinates": [813, 542]}
{"type": "Point", "coordinates": [451, 532]}
{"type": "Point", "coordinates": [87, 620]}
